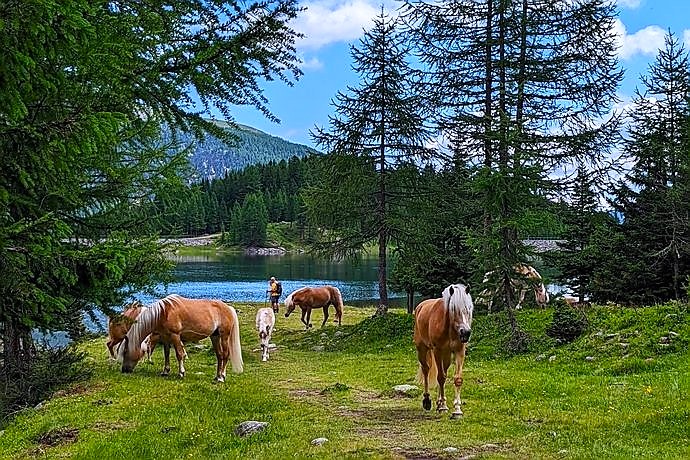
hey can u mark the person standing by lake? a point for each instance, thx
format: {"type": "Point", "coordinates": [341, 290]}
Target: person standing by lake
{"type": "Point", "coordinates": [275, 289]}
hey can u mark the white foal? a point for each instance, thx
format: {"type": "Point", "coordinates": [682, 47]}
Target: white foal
{"type": "Point", "coordinates": [265, 320]}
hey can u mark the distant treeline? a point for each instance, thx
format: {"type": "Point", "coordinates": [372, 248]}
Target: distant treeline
{"type": "Point", "coordinates": [240, 204]}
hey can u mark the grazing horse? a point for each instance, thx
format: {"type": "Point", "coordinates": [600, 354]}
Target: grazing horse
{"type": "Point", "coordinates": [308, 298]}
{"type": "Point", "coordinates": [265, 320]}
{"type": "Point", "coordinates": [526, 277]}
{"type": "Point", "coordinates": [177, 319]}
{"type": "Point", "coordinates": [120, 324]}
{"type": "Point", "coordinates": [442, 328]}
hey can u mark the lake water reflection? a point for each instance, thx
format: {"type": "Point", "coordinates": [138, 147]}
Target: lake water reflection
{"type": "Point", "coordinates": [206, 273]}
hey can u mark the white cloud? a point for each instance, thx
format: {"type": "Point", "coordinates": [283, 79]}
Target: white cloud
{"type": "Point", "coordinates": [686, 38]}
{"type": "Point", "coordinates": [331, 21]}
{"type": "Point", "coordinates": [645, 41]}
{"type": "Point", "coordinates": [631, 4]}
{"type": "Point", "coordinates": [313, 63]}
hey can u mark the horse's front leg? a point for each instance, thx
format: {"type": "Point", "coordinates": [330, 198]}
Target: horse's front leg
{"type": "Point", "coordinates": [268, 342]}
{"type": "Point", "coordinates": [423, 356]}
{"type": "Point", "coordinates": [459, 362]}
{"type": "Point", "coordinates": [111, 346]}
{"type": "Point", "coordinates": [304, 319]}
{"type": "Point", "coordinates": [180, 353]}
{"type": "Point", "coordinates": [166, 355]}
{"type": "Point", "coordinates": [325, 315]}
{"type": "Point", "coordinates": [442, 358]}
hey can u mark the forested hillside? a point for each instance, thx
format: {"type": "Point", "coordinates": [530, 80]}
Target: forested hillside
{"type": "Point", "coordinates": [212, 158]}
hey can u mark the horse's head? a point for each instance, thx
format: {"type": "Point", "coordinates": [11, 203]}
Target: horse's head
{"type": "Point", "coordinates": [130, 355]}
{"type": "Point", "coordinates": [458, 301]}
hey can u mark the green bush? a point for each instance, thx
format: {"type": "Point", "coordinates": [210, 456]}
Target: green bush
{"type": "Point", "coordinates": [51, 369]}
{"type": "Point", "coordinates": [567, 324]}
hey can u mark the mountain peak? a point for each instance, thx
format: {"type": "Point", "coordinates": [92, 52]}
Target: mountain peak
{"type": "Point", "coordinates": [213, 158]}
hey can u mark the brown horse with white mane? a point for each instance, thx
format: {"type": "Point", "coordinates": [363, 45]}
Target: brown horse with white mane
{"type": "Point", "coordinates": [442, 329]}
{"type": "Point", "coordinates": [176, 320]}
{"type": "Point", "coordinates": [308, 298]}
{"type": "Point", "coordinates": [120, 324]}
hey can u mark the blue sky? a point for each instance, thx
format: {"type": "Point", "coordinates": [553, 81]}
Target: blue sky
{"type": "Point", "coordinates": [331, 26]}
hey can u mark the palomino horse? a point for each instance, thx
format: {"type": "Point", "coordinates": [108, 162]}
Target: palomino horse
{"type": "Point", "coordinates": [526, 277]}
{"type": "Point", "coordinates": [119, 325]}
{"type": "Point", "coordinates": [308, 298]}
{"type": "Point", "coordinates": [442, 328]}
{"type": "Point", "coordinates": [265, 320]}
{"type": "Point", "coordinates": [177, 319]}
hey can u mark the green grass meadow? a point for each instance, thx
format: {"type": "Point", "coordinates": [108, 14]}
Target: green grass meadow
{"type": "Point", "coordinates": [620, 391]}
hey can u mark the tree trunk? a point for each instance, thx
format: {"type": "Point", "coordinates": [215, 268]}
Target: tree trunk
{"type": "Point", "coordinates": [410, 301]}
{"type": "Point", "coordinates": [17, 350]}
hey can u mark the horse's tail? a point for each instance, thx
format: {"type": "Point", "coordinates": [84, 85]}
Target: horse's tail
{"type": "Point", "coordinates": [235, 346]}
{"type": "Point", "coordinates": [338, 304]}
{"type": "Point", "coordinates": [433, 372]}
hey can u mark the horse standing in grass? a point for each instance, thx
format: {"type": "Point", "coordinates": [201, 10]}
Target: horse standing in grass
{"type": "Point", "coordinates": [177, 319]}
{"type": "Point", "coordinates": [526, 277]}
{"type": "Point", "coordinates": [442, 329]}
{"type": "Point", "coordinates": [265, 320]}
{"type": "Point", "coordinates": [119, 325]}
{"type": "Point", "coordinates": [308, 298]}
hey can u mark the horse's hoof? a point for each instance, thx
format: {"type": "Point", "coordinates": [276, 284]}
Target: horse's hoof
{"type": "Point", "coordinates": [426, 404]}
{"type": "Point", "coordinates": [220, 379]}
{"type": "Point", "coordinates": [441, 410]}
{"type": "Point", "coordinates": [264, 359]}
{"type": "Point", "coordinates": [456, 415]}
{"type": "Point", "coordinates": [181, 375]}
{"type": "Point", "coordinates": [164, 374]}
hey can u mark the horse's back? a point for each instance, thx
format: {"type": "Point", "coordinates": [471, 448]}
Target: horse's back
{"type": "Point", "coordinates": [119, 325]}
{"type": "Point", "coordinates": [196, 319]}
{"type": "Point", "coordinates": [265, 317]}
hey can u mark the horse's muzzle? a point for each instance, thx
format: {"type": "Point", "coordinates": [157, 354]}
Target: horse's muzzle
{"type": "Point", "coordinates": [464, 334]}
{"type": "Point", "coordinates": [127, 370]}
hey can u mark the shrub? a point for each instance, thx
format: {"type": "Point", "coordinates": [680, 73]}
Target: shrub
{"type": "Point", "coordinates": [567, 324]}
{"type": "Point", "coordinates": [51, 369]}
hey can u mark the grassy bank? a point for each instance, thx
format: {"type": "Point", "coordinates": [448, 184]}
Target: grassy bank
{"type": "Point", "coordinates": [620, 391]}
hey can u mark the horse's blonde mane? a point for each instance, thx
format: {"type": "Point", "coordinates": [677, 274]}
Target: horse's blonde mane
{"type": "Point", "coordinates": [288, 299]}
{"type": "Point", "coordinates": [147, 320]}
{"type": "Point", "coordinates": [459, 303]}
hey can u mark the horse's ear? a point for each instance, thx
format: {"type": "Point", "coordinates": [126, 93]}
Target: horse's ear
{"type": "Point", "coordinates": [467, 288]}
{"type": "Point", "coordinates": [450, 290]}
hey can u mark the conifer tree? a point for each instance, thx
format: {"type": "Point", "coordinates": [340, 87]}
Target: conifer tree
{"type": "Point", "coordinates": [377, 126]}
{"type": "Point", "coordinates": [85, 88]}
{"type": "Point", "coordinates": [653, 198]}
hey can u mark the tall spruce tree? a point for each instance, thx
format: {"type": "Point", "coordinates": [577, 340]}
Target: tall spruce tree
{"type": "Point", "coordinates": [577, 257]}
{"type": "Point", "coordinates": [85, 87]}
{"type": "Point", "coordinates": [522, 87]}
{"type": "Point", "coordinates": [653, 198]}
{"type": "Point", "coordinates": [378, 126]}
